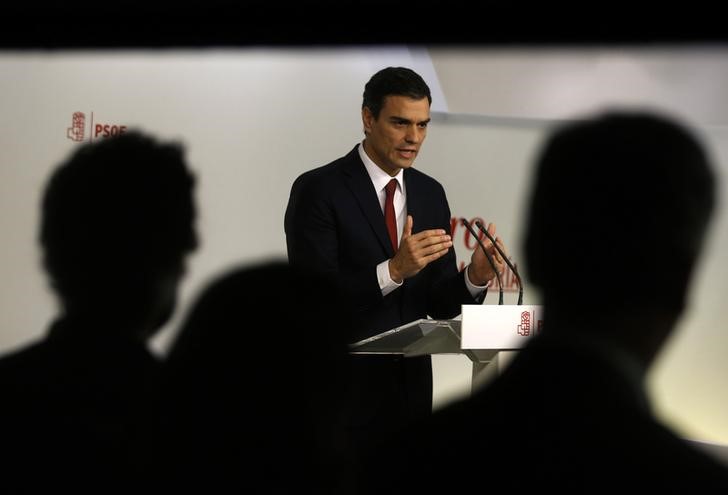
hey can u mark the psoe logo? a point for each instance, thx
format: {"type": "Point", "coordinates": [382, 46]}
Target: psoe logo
{"type": "Point", "coordinates": [77, 131]}
{"type": "Point", "coordinates": [78, 126]}
{"type": "Point", "coordinates": [527, 328]}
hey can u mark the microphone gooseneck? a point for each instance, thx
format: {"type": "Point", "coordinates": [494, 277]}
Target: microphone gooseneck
{"type": "Point", "coordinates": [488, 256]}
{"type": "Point", "coordinates": [505, 258]}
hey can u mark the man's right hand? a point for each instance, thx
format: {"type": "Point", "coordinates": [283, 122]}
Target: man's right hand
{"type": "Point", "coordinates": [417, 251]}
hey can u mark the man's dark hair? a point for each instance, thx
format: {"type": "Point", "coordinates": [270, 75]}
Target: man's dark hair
{"type": "Point", "coordinates": [397, 81]}
{"type": "Point", "coordinates": [117, 210]}
{"type": "Point", "coordinates": [619, 211]}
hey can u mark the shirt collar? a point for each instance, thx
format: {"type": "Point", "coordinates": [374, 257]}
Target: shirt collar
{"type": "Point", "coordinates": [379, 177]}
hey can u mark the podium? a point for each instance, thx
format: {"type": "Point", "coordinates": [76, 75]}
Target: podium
{"type": "Point", "coordinates": [486, 334]}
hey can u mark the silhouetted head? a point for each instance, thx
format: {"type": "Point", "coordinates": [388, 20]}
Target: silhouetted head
{"type": "Point", "coordinates": [393, 81]}
{"type": "Point", "coordinates": [117, 222]}
{"type": "Point", "coordinates": [255, 324]}
{"type": "Point", "coordinates": [257, 376]}
{"type": "Point", "coordinates": [618, 214]}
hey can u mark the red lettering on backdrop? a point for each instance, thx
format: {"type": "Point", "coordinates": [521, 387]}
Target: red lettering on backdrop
{"type": "Point", "coordinates": [507, 277]}
{"type": "Point", "coordinates": [106, 130]}
{"type": "Point", "coordinates": [509, 280]}
{"type": "Point", "coordinates": [76, 131]}
{"type": "Point", "coordinates": [471, 243]}
{"type": "Point", "coordinates": [454, 222]}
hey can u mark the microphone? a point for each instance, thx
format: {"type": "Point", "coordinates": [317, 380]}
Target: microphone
{"type": "Point", "coordinates": [505, 258]}
{"type": "Point", "coordinates": [488, 256]}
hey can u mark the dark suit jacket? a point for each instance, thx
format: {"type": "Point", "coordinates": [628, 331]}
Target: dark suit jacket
{"type": "Point", "coordinates": [73, 407]}
{"type": "Point", "coordinates": [562, 418]}
{"type": "Point", "coordinates": [334, 225]}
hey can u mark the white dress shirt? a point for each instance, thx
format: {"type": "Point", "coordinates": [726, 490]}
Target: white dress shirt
{"type": "Point", "coordinates": [380, 179]}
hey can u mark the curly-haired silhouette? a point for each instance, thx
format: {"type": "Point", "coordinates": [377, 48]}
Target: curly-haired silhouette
{"type": "Point", "coordinates": [116, 227]}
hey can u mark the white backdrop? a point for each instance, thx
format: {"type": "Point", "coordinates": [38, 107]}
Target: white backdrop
{"type": "Point", "coordinates": [253, 119]}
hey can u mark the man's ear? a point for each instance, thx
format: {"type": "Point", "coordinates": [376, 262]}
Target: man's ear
{"type": "Point", "coordinates": [367, 119]}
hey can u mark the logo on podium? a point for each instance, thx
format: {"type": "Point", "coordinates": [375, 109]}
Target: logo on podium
{"type": "Point", "coordinates": [499, 326]}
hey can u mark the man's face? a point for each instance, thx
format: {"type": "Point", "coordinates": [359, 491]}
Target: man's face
{"type": "Point", "coordinates": [394, 139]}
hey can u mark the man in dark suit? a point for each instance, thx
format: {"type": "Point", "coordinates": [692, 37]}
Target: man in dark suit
{"type": "Point", "coordinates": [336, 225]}
{"type": "Point", "coordinates": [619, 194]}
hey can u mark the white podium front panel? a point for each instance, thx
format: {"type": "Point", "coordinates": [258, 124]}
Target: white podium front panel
{"type": "Point", "coordinates": [499, 327]}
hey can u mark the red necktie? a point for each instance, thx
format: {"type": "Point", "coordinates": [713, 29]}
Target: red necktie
{"type": "Point", "coordinates": [389, 216]}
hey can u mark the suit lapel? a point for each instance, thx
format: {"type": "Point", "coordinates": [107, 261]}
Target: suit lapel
{"type": "Point", "coordinates": [358, 181]}
{"type": "Point", "coordinates": [415, 206]}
